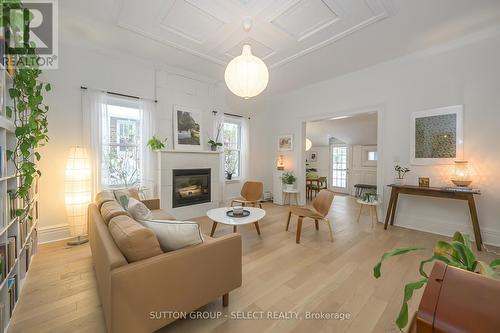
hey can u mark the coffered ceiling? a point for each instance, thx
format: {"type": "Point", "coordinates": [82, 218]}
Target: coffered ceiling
{"type": "Point", "coordinates": [282, 30]}
{"type": "Point", "coordinates": [301, 41]}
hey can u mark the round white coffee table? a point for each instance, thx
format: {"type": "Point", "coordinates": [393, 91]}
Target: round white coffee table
{"type": "Point", "coordinates": [218, 215]}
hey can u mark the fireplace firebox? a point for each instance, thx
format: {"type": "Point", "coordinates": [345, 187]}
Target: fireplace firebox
{"type": "Point", "coordinates": [190, 187]}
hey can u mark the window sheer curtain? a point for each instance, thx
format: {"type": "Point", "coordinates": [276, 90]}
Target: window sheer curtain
{"type": "Point", "coordinates": [95, 136]}
{"type": "Point", "coordinates": [148, 158]}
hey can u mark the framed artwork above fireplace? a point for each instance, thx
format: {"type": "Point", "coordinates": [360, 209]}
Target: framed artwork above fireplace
{"type": "Point", "coordinates": [187, 128]}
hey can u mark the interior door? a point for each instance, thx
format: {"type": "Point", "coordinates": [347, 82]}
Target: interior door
{"type": "Point", "coordinates": [340, 158]}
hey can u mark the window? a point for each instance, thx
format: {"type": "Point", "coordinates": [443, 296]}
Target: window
{"type": "Point", "coordinates": [232, 148]}
{"type": "Point", "coordinates": [121, 151]}
{"type": "Point", "coordinates": [372, 156]}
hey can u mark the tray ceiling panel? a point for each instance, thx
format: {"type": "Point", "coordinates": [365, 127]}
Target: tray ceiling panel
{"type": "Point", "coordinates": [282, 30]}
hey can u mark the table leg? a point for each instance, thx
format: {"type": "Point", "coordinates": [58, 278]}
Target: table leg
{"type": "Point", "coordinates": [214, 225]}
{"type": "Point", "coordinates": [389, 209]}
{"type": "Point", "coordinates": [394, 204]}
{"type": "Point", "coordinates": [475, 222]}
{"type": "Point", "coordinates": [257, 227]}
{"type": "Point", "coordinates": [299, 230]}
{"type": "Point", "coordinates": [360, 210]}
{"type": "Point", "coordinates": [235, 228]}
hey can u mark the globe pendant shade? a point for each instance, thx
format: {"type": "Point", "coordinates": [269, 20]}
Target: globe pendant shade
{"type": "Point", "coordinates": [246, 75]}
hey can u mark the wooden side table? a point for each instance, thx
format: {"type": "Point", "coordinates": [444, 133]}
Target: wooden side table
{"type": "Point", "coordinates": [436, 192]}
{"type": "Point", "coordinates": [288, 194]}
{"type": "Point", "coordinates": [372, 206]}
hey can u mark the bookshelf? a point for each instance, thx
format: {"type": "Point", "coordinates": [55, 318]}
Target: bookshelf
{"type": "Point", "coordinates": [18, 235]}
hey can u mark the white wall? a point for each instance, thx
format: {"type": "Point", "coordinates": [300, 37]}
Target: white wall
{"type": "Point", "coordinates": [116, 73]}
{"type": "Point", "coordinates": [466, 74]}
{"type": "Point", "coordinates": [322, 163]}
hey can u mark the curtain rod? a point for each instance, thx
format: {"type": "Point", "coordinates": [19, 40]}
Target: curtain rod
{"type": "Point", "coordinates": [122, 95]}
{"type": "Point", "coordinates": [230, 114]}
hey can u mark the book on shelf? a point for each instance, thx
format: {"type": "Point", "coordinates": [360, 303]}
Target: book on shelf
{"type": "Point", "coordinates": [11, 205]}
{"type": "Point", "coordinates": [11, 251]}
{"type": "Point", "coordinates": [461, 189]}
{"type": "Point", "coordinates": [3, 219]}
{"type": "Point", "coordinates": [3, 262]}
{"type": "Point", "coordinates": [12, 290]}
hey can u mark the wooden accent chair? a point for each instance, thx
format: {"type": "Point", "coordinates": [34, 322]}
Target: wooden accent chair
{"type": "Point", "coordinates": [321, 204]}
{"type": "Point", "coordinates": [321, 184]}
{"type": "Point", "coordinates": [251, 194]}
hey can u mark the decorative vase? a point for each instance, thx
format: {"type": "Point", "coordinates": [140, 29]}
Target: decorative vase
{"type": "Point", "coordinates": [289, 187]}
{"type": "Point", "coordinates": [400, 181]}
{"type": "Point", "coordinates": [229, 176]}
{"type": "Point", "coordinates": [213, 148]}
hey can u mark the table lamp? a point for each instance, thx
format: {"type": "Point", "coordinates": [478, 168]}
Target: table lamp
{"type": "Point", "coordinates": [461, 174]}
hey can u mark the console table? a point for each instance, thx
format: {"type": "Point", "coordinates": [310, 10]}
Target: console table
{"type": "Point", "coordinates": [436, 192]}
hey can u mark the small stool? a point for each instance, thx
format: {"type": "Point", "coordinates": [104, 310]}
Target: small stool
{"type": "Point", "coordinates": [288, 194]}
{"type": "Point", "coordinates": [373, 209]}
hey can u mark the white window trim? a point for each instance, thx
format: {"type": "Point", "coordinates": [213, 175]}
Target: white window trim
{"type": "Point", "coordinates": [235, 121]}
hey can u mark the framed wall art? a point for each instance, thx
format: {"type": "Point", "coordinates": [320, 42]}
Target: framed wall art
{"type": "Point", "coordinates": [437, 136]}
{"type": "Point", "coordinates": [187, 128]}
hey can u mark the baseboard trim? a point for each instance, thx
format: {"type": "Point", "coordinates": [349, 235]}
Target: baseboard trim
{"type": "Point", "coordinates": [53, 233]}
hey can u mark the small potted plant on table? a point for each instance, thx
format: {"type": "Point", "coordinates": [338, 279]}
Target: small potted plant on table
{"type": "Point", "coordinates": [401, 173]}
{"type": "Point", "coordinates": [288, 179]}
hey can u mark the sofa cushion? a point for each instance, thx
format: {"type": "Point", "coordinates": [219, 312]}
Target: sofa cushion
{"type": "Point", "coordinates": [138, 210]}
{"type": "Point", "coordinates": [174, 235]}
{"type": "Point", "coordinates": [112, 209]}
{"type": "Point", "coordinates": [160, 214]}
{"type": "Point", "coordinates": [103, 197]}
{"type": "Point", "coordinates": [135, 241]}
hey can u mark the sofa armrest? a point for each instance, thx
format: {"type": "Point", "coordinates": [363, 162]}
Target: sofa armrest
{"type": "Point", "coordinates": [152, 204]}
{"type": "Point", "coordinates": [181, 280]}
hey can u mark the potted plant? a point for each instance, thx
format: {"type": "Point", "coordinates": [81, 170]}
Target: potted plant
{"type": "Point", "coordinates": [457, 253]}
{"type": "Point", "coordinates": [288, 179]}
{"type": "Point", "coordinates": [401, 173]}
{"type": "Point", "coordinates": [214, 144]}
{"type": "Point", "coordinates": [156, 144]}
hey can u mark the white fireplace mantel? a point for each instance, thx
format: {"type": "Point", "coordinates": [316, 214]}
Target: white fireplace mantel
{"type": "Point", "coordinates": [169, 160]}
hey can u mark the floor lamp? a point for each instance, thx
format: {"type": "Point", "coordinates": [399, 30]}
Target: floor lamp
{"type": "Point", "coordinates": [77, 193]}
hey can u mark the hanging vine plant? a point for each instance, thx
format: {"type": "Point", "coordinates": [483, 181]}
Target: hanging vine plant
{"type": "Point", "coordinates": [29, 110]}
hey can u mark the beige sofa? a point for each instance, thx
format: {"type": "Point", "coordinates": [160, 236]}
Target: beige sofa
{"type": "Point", "coordinates": [137, 294]}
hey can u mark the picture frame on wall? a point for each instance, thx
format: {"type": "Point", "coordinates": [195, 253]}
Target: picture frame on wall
{"type": "Point", "coordinates": [188, 128]}
{"type": "Point", "coordinates": [285, 142]}
{"type": "Point", "coordinates": [313, 157]}
{"type": "Point", "coordinates": [437, 136]}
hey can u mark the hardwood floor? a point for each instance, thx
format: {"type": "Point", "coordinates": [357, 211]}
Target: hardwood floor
{"type": "Point", "coordinates": [278, 275]}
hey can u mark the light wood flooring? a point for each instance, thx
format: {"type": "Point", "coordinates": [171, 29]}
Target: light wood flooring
{"type": "Point", "coordinates": [278, 275]}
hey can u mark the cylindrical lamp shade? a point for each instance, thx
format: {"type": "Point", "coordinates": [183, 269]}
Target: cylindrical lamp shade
{"type": "Point", "coordinates": [246, 75]}
{"type": "Point", "coordinates": [308, 144]}
{"type": "Point", "coordinates": [461, 175]}
{"type": "Point", "coordinates": [77, 190]}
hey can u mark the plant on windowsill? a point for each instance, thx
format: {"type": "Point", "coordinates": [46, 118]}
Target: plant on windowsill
{"type": "Point", "coordinates": [401, 173]}
{"type": "Point", "coordinates": [288, 179]}
{"type": "Point", "coordinates": [29, 111]}
{"type": "Point", "coordinates": [156, 144]}
{"type": "Point", "coordinates": [457, 253]}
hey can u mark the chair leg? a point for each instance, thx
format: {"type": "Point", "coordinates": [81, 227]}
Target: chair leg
{"type": "Point", "coordinates": [232, 203]}
{"type": "Point", "coordinates": [235, 228]}
{"type": "Point", "coordinates": [288, 221]}
{"type": "Point", "coordinates": [317, 224]}
{"type": "Point", "coordinates": [299, 230]}
{"type": "Point", "coordinates": [329, 229]}
{"type": "Point", "coordinates": [225, 300]}
{"type": "Point", "coordinates": [260, 205]}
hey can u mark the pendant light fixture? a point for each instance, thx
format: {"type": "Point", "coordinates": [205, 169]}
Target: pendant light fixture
{"type": "Point", "coordinates": [246, 75]}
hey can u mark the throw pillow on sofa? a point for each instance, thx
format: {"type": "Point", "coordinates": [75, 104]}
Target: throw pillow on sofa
{"type": "Point", "coordinates": [174, 235]}
{"type": "Point", "coordinates": [138, 210]}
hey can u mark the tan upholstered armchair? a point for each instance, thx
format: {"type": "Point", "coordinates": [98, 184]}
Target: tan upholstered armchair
{"type": "Point", "coordinates": [251, 194]}
{"type": "Point", "coordinates": [321, 207]}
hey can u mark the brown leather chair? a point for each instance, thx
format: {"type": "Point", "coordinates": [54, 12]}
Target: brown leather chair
{"type": "Point", "coordinates": [321, 207]}
{"type": "Point", "coordinates": [251, 194]}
